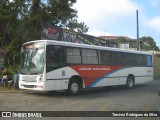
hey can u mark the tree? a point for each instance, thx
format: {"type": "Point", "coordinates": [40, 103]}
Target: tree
{"type": "Point", "coordinates": [23, 20]}
{"type": "Point", "coordinates": [45, 13]}
{"type": "Point", "coordinates": [148, 43]}
{"type": "Point", "coordinates": [34, 19]}
{"type": "Point", "coordinates": [73, 25]}
{"type": "Point", "coordinates": [9, 24]}
{"type": "Point", "coordinates": [60, 11]}
{"type": "Point", "coordinates": [5, 18]}
{"type": "Point", "coordinates": [121, 39]}
{"type": "Point", "coordinates": [82, 28]}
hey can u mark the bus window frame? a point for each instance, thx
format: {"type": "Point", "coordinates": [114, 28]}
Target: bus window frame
{"type": "Point", "coordinates": [62, 48]}
{"type": "Point", "coordinates": [96, 56]}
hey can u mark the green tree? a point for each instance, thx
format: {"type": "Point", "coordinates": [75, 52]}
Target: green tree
{"type": "Point", "coordinates": [44, 13]}
{"type": "Point", "coordinates": [23, 20]}
{"type": "Point", "coordinates": [73, 25]}
{"type": "Point", "coordinates": [5, 18]}
{"type": "Point", "coordinates": [148, 43]}
{"type": "Point", "coordinates": [82, 28]}
{"type": "Point", "coordinates": [60, 11]}
{"type": "Point", "coordinates": [10, 32]}
{"type": "Point", "coordinates": [34, 19]}
{"type": "Point", "coordinates": [121, 39]}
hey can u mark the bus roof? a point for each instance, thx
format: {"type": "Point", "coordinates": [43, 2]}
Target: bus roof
{"type": "Point", "coordinates": [63, 43]}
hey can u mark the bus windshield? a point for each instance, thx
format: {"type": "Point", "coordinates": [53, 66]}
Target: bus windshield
{"type": "Point", "coordinates": [32, 61]}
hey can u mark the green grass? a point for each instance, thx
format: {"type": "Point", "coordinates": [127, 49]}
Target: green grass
{"type": "Point", "coordinates": [5, 89]}
{"type": "Point", "coordinates": [8, 90]}
{"type": "Point", "coordinates": [2, 89]}
{"type": "Point", "coordinates": [157, 67]}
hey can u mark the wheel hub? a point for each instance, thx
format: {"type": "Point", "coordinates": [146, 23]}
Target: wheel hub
{"type": "Point", "coordinates": [130, 82]}
{"type": "Point", "coordinates": [74, 87]}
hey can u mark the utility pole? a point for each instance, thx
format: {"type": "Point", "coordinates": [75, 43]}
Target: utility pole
{"type": "Point", "coordinates": [138, 43]}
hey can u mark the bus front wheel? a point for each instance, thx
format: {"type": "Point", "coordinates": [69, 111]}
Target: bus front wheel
{"type": "Point", "coordinates": [73, 87]}
{"type": "Point", "coordinates": [130, 82]}
{"type": "Point", "coordinates": [159, 92]}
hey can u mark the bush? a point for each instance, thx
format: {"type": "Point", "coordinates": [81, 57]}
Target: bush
{"type": "Point", "coordinates": [157, 55]}
{"type": "Point", "coordinates": [156, 67]}
{"type": "Point", "coordinates": [10, 71]}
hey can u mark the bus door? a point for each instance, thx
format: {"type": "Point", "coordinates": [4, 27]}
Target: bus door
{"type": "Point", "coordinates": [55, 60]}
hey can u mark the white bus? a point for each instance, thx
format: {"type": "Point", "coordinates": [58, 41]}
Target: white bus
{"type": "Point", "coordinates": [48, 65]}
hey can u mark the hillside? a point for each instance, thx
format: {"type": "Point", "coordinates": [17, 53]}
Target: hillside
{"type": "Point", "coordinates": [157, 67]}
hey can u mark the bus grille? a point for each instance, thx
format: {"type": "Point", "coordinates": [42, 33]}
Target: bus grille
{"type": "Point", "coordinates": [29, 78]}
{"type": "Point", "coordinates": [29, 86]}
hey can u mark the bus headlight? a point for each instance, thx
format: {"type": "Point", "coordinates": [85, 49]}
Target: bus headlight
{"type": "Point", "coordinates": [40, 78]}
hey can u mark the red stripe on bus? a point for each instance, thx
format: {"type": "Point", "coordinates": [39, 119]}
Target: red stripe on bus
{"type": "Point", "coordinates": [92, 72]}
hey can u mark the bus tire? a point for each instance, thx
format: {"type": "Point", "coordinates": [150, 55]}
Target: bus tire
{"type": "Point", "coordinates": [159, 92]}
{"type": "Point", "coordinates": [130, 82]}
{"type": "Point", "coordinates": [51, 92]}
{"type": "Point", "coordinates": [73, 87]}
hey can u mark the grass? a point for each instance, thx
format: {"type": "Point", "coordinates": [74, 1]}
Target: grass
{"type": "Point", "coordinates": [1, 89]}
{"type": "Point", "coordinates": [4, 89]}
{"type": "Point", "coordinates": [157, 67]}
{"type": "Point", "coordinates": [8, 90]}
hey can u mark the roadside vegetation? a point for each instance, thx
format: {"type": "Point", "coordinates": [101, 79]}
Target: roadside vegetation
{"type": "Point", "coordinates": [157, 67]}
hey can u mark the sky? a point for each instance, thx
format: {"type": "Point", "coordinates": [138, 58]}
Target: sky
{"type": "Point", "coordinates": [118, 17]}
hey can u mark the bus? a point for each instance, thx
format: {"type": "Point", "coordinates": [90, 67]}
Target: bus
{"type": "Point", "coordinates": [48, 65]}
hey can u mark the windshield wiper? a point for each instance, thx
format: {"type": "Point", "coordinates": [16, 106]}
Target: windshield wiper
{"type": "Point", "coordinates": [33, 53]}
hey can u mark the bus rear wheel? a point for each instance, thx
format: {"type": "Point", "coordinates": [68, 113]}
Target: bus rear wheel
{"type": "Point", "coordinates": [159, 92]}
{"type": "Point", "coordinates": [130, 82]}
{"type": "Point", "coordinates": [73, 87]}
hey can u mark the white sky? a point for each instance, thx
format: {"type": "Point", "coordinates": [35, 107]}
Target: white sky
{"type": "Point", "coordinates": [118, 17]}
{"type": "Point", "coordinates": [99, 13]}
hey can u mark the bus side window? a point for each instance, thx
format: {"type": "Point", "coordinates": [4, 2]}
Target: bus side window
{"type": "Point", "coordinates": [89, 56]}
{"type": "Point", "coordinates": [129, 59]}
{"type": "Point", "coordinates": [118, 58]}
{"type": "Point", "coordinates": [73, 55]}
{"type": "Point", "coordinates": [149, 61]}
{"type": "Point", "coordinates": [106, 57]}
{"type": "Point", "coordinates": [51, 54]}
{"type": "Point", "coordinates": [54, 57]}
{"type": "Point", "coordinates": [59, 56]}
{"type": "Point", "coordinates": [140, 60]}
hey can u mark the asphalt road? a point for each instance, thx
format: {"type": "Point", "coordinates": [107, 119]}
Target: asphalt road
{"type": "Point", "coordinates": [143, 97]}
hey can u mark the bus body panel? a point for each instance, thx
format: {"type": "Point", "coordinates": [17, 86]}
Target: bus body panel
{"type": "Point", "coordinates": [31, 82]}
{"type": "Point", "coordinates": [58, 79]}
{"type": "Point", "coordinates": [115, 77]}
{"type": "Point", "coordinates": [112, 75]}
{"type": "Point", "coordinates": [120, 77]}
